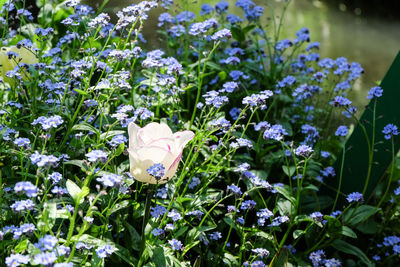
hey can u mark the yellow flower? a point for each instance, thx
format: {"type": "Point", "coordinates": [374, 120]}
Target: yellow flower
{"type": "Point", "coordinates": [25, 56]}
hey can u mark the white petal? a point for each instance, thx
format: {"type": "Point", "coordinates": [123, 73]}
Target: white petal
{"type": "Point", "coordinates": [182, 138]}
{"type": "Point", "coordinates": [154, 131]}
{"type": "Point", "coordinates": [143, 158]}
{"type": "Point", "coordinates": [132, 133]}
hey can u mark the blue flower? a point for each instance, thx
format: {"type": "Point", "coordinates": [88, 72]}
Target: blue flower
{"type": "Point", "coordinates": [222, 7]}
{"type": "Point", "coordinates": [45, 258]}
{"type": "Point", "coordinates": [48, 123]}
{"type": "Point", "coordinates": [342, 131]}
{"type": "Point", "coordinates": [261, 252]}
{"type": "Point", "coordinates": [233, 19]}
{"type": "Point", "coordinates": [175, 244]}
{"type": "Point", "coordinates": [340, 101]}
{"type": "Point", "coordinates": [375, 92]}
{"type": "Point", "coordinates": [390, 130]}
{"type": "Point", "coordinates": [96, 155]}
{"type": "Point", "coordinates": [22, 205]}
{"type": "Point", "coordinates": [48, 242]}
{"type": "Point", "coordinates": [328, 171]}
{"type": "Point", "coordinates": [275, 132]}
{"type": "Point", "coordinates": [325, 154]}
{"type": "Point", "coordinates": [158, 211]}
{"type": "Point", "coordinates": [157, 171]}
{"type": "Point", "coordinates": [196, 213]}
{"type": "Point", "coordinates": [215, 236]}
{"type": "Point", "coordinates": [316, 257]}
{"type": "Point", "coordinates": [157, 231]}
{"type": "Point", "coordinates": [221, 34]}
{"type": "Point", "coordinates": [195, 182]}
{"type": "Point", "coordinates": [22, 142]}
{"type": "Point", "coordinates": [248, 204]}
{"type": "Point", "coordinates": [174, 215]}
{"type": "Point", "coordinates": [17, 259]}
{"type": "Point", "coordinates": [235, 189]}
{"type": "Point", "coordinates": [104, 251]}
{"type": "Point", "coordinates": [263, 215]}
{"type": "Point", "coordinates": [55, 177]}
{"type": "Point", "coordinates": [206, 9]}
{"type": "Point", "coordinates": [354, 197]}
{"type": "Point", "coordinates": [26, 187]}
{"type": "Point", "coordinates": [110, 179]}
{"type": "Point", "coordinates": [317, 216]}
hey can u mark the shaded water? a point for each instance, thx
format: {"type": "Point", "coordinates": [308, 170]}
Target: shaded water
{"type": "Point", "coordinates": [370, 40]}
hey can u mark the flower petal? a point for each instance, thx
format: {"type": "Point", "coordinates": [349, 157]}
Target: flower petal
{"type": "Point", "coordinates": [153, 131]}
{"type": "Point", "coordinates": [132, 133]}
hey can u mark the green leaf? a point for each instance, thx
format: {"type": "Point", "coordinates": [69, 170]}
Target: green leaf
{"type": "Point", "coordinates": [280, 259]}
{"type": "Point", "coordinates": [74, 190]}
{"type": "Point", "coordinates": [297, 233]}
{"type": "Point", "coordinates": [110, 134]}
{"type": "Point", "coordinates": [85, 127]}
{"type": "Point", "coordinates": [22, 246]}
{"type": "Point", "coordinates": [81, 92]}
{"type": "Point", "coordinates": [348, 232]}
{"type": "Point", "coordinates": [76, 162]}
{"type": "Point", "coordinates": [121, 205]}
{"type": "Point", "coordinates": [159, 257]}
{"type": "Point", "coordinates": [289, 170]}
{"type": "Point", "coordinates": [352, 250]}
{"type": "Point", "coordinates": [285, 207]}
{"type": "Point", "coordinates": [359, 215]}
{"type": "Point", "coordinates": [285, 192]}
{"type": "Point", "coordinates": [214, 65]}
{"type": "Point", "coordinates": [120, 149]}
{"type": "Point", "coordinates": [237, 33]}
{"type": "Point", "coordinates": [230, 260]}
{"type": "Point", "coordinates": [181, 231]}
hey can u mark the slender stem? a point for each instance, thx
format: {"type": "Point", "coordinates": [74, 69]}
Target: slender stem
{"type": "Point", "coordinates": [340, 180]}
{"type": "Point", "coordinates": [146, 216]}
{"type": "Point", "coordinates": [390, 177]}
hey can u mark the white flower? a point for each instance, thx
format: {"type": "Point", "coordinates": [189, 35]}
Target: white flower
{"type": "Point", "coordinates": [155, 143]}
